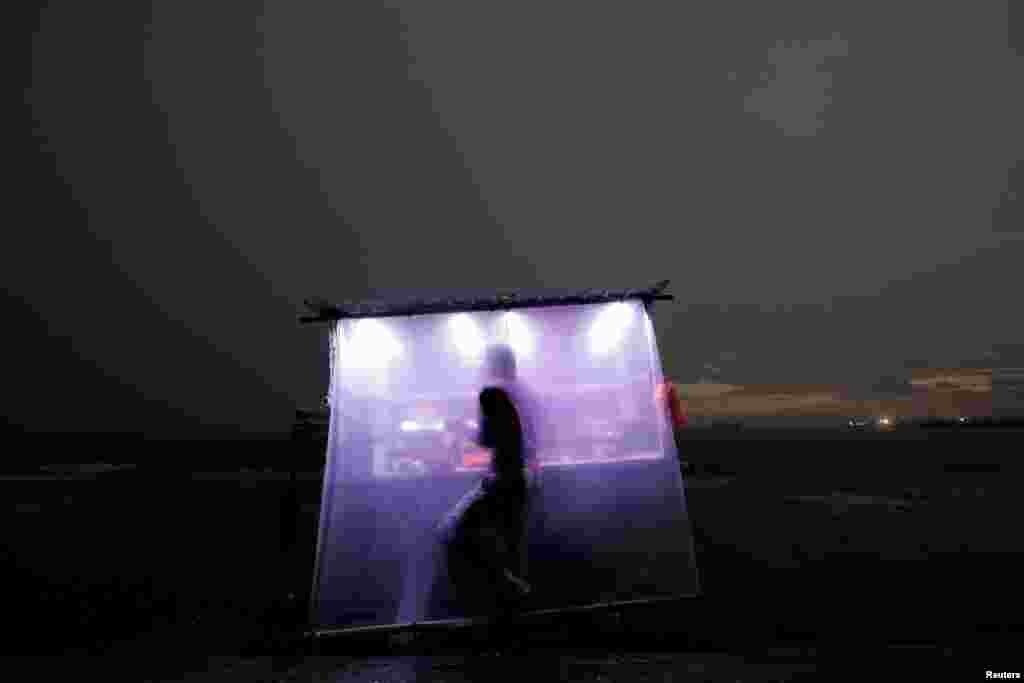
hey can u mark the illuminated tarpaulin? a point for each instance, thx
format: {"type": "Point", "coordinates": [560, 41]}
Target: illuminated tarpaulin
{"type": "Point", "coordinates": [607, 519]}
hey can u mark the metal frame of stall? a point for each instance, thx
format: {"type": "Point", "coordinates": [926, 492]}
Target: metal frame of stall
{"type": "Point", "coordinates": [325, 313]}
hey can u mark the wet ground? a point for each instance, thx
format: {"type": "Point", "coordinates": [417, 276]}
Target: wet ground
{"type": "Point", "coordinates": [865, 562]}
{"type": "Point", "coordinates": [778, 663]}
{"type": "Point", "coordinates": [664, 644]}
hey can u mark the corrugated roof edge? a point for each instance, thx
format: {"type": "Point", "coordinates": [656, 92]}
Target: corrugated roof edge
{"type": "Point", "coordinates": [324, 311]}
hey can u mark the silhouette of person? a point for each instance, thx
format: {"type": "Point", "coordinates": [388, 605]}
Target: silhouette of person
{"type": "Point", "coordinates": [484, 532]}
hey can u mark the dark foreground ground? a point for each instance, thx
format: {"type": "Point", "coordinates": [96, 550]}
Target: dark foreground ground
{"type": "Point", "coordinates": [820, 557]}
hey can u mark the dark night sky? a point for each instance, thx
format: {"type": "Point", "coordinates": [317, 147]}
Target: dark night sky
{"type": "Point", "coordinates": [833, 188]}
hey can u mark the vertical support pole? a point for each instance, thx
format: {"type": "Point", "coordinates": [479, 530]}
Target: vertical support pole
{"type": "Point", "coordinates": [328, 487]}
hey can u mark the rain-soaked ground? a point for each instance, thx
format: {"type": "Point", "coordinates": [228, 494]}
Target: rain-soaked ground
{"type": "Point", "coordinates": [770, 663]}
{"type": "Point", "coordinates": [877, 565]}
{"type": "Point", "coordinates": [600, 649]}
{"type": "Point", "coordinates": [748, 636]}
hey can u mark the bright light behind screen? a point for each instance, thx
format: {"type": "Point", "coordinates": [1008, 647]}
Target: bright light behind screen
{"type": "Point", "coordinates": [404, 451]}
{"type": "Point", "coordinates": [469, 340]}
{"type": "Point", "coordinates": [516, 333]}
{"type": "Point", "coordinates": [340, 344]}
{"type": "Point", "coordinates": [414, 426]}
{"type": "Point", "coordinates": [373, 345]}
{"type": "Point", "coordinates": [610, 327]}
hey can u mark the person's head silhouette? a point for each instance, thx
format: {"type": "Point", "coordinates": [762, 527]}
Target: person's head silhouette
{"type": "Point", "coordinates": [504, 395]}
{"type": "Point", "coordinates": [500, 363]}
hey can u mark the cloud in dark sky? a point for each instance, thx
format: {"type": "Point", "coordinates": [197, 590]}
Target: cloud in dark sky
{"type": "Point", "coordinates": [796, 95]}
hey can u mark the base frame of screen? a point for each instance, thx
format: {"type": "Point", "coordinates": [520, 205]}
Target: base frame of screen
{"type": "Point", "coordinates": [412, 628]}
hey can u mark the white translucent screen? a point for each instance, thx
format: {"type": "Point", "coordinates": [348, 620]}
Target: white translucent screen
{"type": "Point", "coordinates": [607, 515]}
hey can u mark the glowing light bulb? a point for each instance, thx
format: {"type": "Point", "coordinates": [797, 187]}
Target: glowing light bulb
{"type": "Point", "coordinates": [516, 333]}
{"type": "Point", "coordinates": [468, 338]}
{"type": "Point", "coordinates": [610, 327]}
